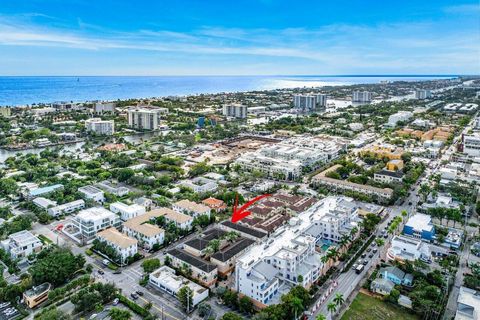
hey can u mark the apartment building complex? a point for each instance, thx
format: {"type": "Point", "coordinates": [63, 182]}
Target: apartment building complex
{"type": "Point", "coordinates": [405, 248]}
{"type": "Point", "coordinates": [235, 111]}
{"type": "Point", "coordinates": [361, 96]}
{"type": "Point", "coordinates": [100, 127]}
{"type": "Point", "coordinates": [308, 103]}
{"type": "Point", "coordinates": [191, 208]}
{"type": "Point", "coordinates": [271, 267]}
{"type": "Point", "coordinates": [124, 246]}
{"type": "Point", "coordinates": [145, 118]}
{"type": "Point", "coordinates": [423, 94]}
{"type": "Point", "coordinates": [148, 234]}
{"type": "Point", "coordinates": [287, 160]}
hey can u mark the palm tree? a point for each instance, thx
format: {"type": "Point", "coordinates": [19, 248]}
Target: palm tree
{"type": "Point", "coordinates": [297, 306]}
{"type": "Point", "coordinates": [321, 317]}
{"type": "Point", "coordinates": [339, 300]}
{"type": "Point", "coordinates": [332, 307]}
{"type": "Point", "coordinates": [354, 231]}
{"type": "Point", "coordinates": [333, 253]}
{"type": "Point", "coordinates": [344, 241]}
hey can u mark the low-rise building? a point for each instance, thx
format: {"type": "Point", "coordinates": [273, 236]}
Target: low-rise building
{"type": "Point", "coordinates": [22, 244]}
{"type": "Point", "coordinates": [200, 184]}
{"type": "Point", "coordinates": [321, 179]}
{"type": "Point", "coordinates": [420, 226]}
{"type": "Point", "coordinates": [36, 295]}
{"type": "Point", "coordinates": [127, 211]}
{"type": "Point", "coordinates": [166, 280]}
{"type": "Point", "coordinates": [93, 220]}
{"type": "Point", "coordinates": [405, 248]}
{"type": "Point", "coordinates": [112, 188]}
{"type": "Point", "coordinates": [191, 208]}
{"type": "Point", "coordinates": [387, 176]}
{"type": "Point", "coordinates": [382, 286]}
{"type": "Point", "coordinates": [92, 193]}
{"type": "Point", "coordinates": [201, 270]}
{"type": "Point", "coordinates": [468, 304]}
{"type": "Point", "coordinates": [124, 246]}
{"type": "Point", "coordinates": [215, 204]}
{"type": "Point", "coordinates": [396, 275]}
{"type": "Point", "coordinates": [66, 208]}
{"type": "Point", "coordinates": [35, 191]}
{"type": "Point", "coordinates": [146, 233]}
{"type": "Point", "coordinates": [44, 203]}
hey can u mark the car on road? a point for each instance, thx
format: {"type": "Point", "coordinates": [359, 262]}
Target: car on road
{"type": "Point", "coordinates": [365, 262]}
{"type": "Point", "coordinates": [134, 296]}
{"type": "Point", "coordinates": [370, 255]}
{"type": "Point", "coordinates": [100, 271]}
{"type": "Point", "coordinates": [375, 250]}
{"type": "Point", "coordinates": [106, 262]}
{"type": "Point", "coordinates": [359, 269]}
{"type": "Point", "coordinates": [385, 235]}
{"type": "Point", "coordinates": [354, 266]}
{"type": "Point", "coordinates": [117, 272]}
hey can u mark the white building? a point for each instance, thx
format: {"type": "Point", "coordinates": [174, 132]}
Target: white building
{"type": "Point", "coordinates": [288, 158]}
{"type": "Point", "coordinates": [104, 107]}
{"type": "Point", "coordinates": [361, 96]}
{"type": "Point", "coordinates": [127, 211]}
{"type": "Point", "coordinates": [93, 220]}
{"type": "Point", "coordinates": [468, 304]}
{"type": "Point", "coordinates": [22, 244]}
{"type": "Point", "coordinates": [100, 127]}
{"type": "Point", "coordinates": [181, 220]}
{"type": "Point", "coordinates": [423, 94]}
{"type": "Point", "coordinates": [145, 118]}
{"type": "Point", "coordinates": [146, 233]}
{"type": "Point", "coordinates": [166, 280]}
{"type": "Point", "coordinates": [66, 208]}
{"type": "Point", "coordinates": [388, 176]}
{"type": "Point", "coordinates": [307, 103]}
{"type": "Point", "coordinates": [235, 111]}
{"type": "Point", "coordinates": [271, 267]}
{"type": "Point", "coordinates": [44, 203]}
{"type": "Point", "coordinates": [405, 248]}
{"type": "Point", "coordinates": [401, 116]}
{"type": "Point", "coordinates": [191, 208]}
{"type": "Point", "coordinates": [92, 193]}
{"type": "Point", "coordinates": [471, 144]}
{"type": "Point", "coordinates": [200, 184]}
{"type": "Point", "coordinates": [124, 246]}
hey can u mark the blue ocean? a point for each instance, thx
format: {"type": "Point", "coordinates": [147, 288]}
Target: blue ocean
{"type": "Point", "coordinates": [16, 91]}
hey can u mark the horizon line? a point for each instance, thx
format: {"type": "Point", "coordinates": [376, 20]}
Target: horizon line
{"type": "Point", "coordinates": [255, 75]}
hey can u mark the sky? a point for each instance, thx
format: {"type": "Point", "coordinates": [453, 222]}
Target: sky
{"type": "Point", "coordinates": [242, 37]}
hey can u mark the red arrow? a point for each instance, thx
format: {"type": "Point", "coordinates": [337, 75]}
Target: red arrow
{"type": "Point", "coordinates": [239, 214]}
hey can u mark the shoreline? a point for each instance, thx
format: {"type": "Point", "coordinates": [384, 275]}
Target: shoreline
{"type": "Point", "coordinates": [71, 85]}
{"type": "Point", "coordinates": [6, 148]}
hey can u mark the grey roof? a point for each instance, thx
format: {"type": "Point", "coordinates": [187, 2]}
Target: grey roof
{"type": "Point", "coordinates": [393, 270]}
{"type": "Point", "coordinates": [267, 270]}
{"type": "Point", "coordinates": [385, 284]}
{"type": "Point", "coordinates": [395, 174]}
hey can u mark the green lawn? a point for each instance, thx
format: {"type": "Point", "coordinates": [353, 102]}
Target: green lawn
{"type": "Point", "coordinates": [368, 308]}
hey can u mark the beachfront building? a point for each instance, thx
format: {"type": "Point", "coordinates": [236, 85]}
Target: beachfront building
{"type": "Point", "coordinates": [104, 107]}
{"type": "Point", "coordinates": [100, 127]}
{"type": "Point", "coordinates": [22, 244]}
{"type": "Point", "coordinates": [125, 246]}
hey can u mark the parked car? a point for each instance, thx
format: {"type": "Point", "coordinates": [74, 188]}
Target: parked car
{"type": "Point", "coordinates": [116, 301]}
{"type": "Point", "coordinates": [100, 271]}
{"type": "Point", "coordinates": [117, 271]}
{"type": "Point", "coordinates": [134, 296]}
{"type": "Point", "coordinates": [354, 266]}
{"type": "Point", "coordinates": [140, 293]}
